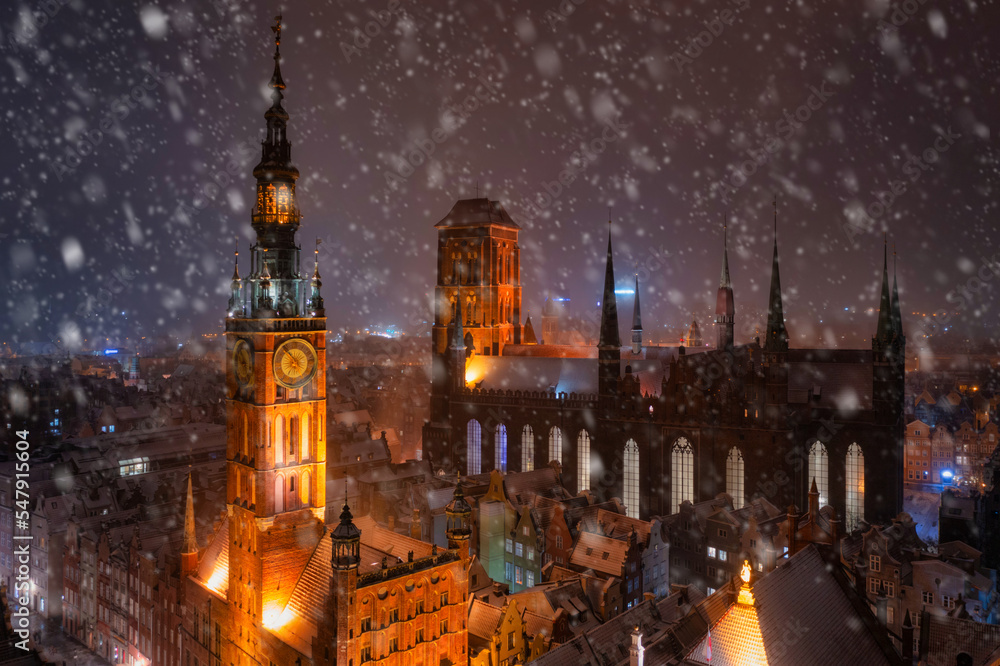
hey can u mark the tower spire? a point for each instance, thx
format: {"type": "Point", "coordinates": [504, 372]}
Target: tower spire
{"type": "Point", "coordinates": [190, 537]}
{"type": "Point", "coordinates": [316, 307]}
{"type": "Point", "coordinates": [609, 305]}
{"type": "Point", "coordinates": [883, 333]}
{"type": "Point", "coordinates": [776, 336]}
{"type": "Point", "coordinates": [725, 310]}
{"type": "Point", "coordinates": [636, 320]}
{"type": "Point", "coordinates": [897, 316]}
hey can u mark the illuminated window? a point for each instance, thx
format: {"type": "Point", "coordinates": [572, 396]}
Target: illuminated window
{"type": "Point", "coordinates": [819, 470]}
{"type": "Point", "coordinates": [304, 448]}
{"type": "Point", "coordinates": [283, 203]}
{"type": "Point", "coordinates": [519, 549]}
{"type": "Point", "coordinates": [474, 444]}
{"type": "Point", "coordinates": [500, 445]}
{"type": "Point", "coordinates": [631, 479]}
{"type": "Point", "coordinates": [555, 444]}
{"type": "Point", "coordinates": [711, 551]}
{"type": "Point", "coordinates": [509, 545]}
{"type": "Point", "coordinates": [527, 449]}
{"type": "Point", "coordinates": [734, 477]}
{"type": "Point", "coordinates": [519, 575]}
{"type": "Point", "coordinates": [279, 440]}
{"type": "Point", "coordinates": [583, 461]}
{"type": "Point", "coordinates": [682, 473]}
{"type": "Point", "coordinates": [855, 486]}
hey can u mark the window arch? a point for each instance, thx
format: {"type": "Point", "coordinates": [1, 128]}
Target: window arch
{"type": "Point", "coordinates": [681, 474]}
{"type": "Point", "coordinates": [279, 494]}
{"type": "Point", "coordinates": [555, 444]}
{"type": "Point", "coordinates": [819, 469]}
{"type": "Point", "coordinates": [305, 491]}
{"type": "Point", "coordinates": [527, 449]}
{"type": "Point", "coordinates": [500, 448]}
{"type": "Point", "coordinates": [293, 438]}
{"type": "Point", "coordinates": [631, 486]}
{"type": "Point", "coordinates": [304, 448]}
{"type": "Point", "coordinates": [855, 486]}
{"type": "Point", "coordinates": [279, 439]}
{"type": "Point", "coordinates": [474, 447]}
{"type": "Point", "coordinates": [735, 473]}
{"type": "Point", "coordinates": [583, 461]}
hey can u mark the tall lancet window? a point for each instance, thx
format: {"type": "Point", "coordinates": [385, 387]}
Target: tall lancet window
{"type": "Point", "coordinates": [583, 461]}
{"type": "Point", "coordinates": [527, 449]}
{"type": "Point", "coordinates": [631, 479]}
{"type": "Point", "coordinates": [819, 469]}
{"type": "Point", "coordinates": [474, 450]}
{"type": "Point", "coordinates": [500, 448]}
{"type": "Point", "coordinates": [555, 444]}
{"type": "Point", "coordinates": [855, 486]}
{"type": "Point", "coordinates": [681, 474]}
{"type": "Point", "coordinates": [734, 477]}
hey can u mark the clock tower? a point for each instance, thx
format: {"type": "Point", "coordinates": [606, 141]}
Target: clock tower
{"type": "Point", "coordinates": [276, 403]}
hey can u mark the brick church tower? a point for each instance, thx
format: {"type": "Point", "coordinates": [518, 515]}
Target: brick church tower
{"type": "Point", "coordinates": [276, 401]}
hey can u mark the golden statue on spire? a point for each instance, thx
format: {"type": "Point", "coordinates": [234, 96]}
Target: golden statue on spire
{"type": "Point", "coordinates": [745, 595]}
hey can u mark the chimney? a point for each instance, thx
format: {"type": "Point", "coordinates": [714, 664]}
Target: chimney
{"type": "Point", "coordinates": [635, 650]}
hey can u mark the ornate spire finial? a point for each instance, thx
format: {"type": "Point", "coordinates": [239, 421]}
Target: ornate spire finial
{"type": "Point", "coordinates": [276, 29]}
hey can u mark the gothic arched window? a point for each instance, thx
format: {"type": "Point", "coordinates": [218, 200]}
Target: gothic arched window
{"type": "Point", "coordinates": [474, 447]}
{"type": "Point", "coordinates": [819, 469]}
{"type": "Point", "coordinates": [555, 444]}
{"type": "Point", "coordinates": [500, 447]}
{"type": "Point", "coordinates": [681, 473]}
{"type": "Point", "coordinates": [631, 479]}
{"type": "Point", "coordinates": [527, 449]}
{"type": "Point", "coordinates": [734, 477]}
{"type": "Point", "coordinates": [583, 461]}
{"type": "Point", "coordinates": [855, 486]}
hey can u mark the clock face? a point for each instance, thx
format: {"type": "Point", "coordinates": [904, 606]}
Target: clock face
{"type": "Point", "coordinates": [294, 363]}
{"type": "Point", "coordinates": [243, 362]}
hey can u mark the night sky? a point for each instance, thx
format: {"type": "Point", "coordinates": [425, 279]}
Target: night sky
{"type": "Point", "coordinates": [108, 208]}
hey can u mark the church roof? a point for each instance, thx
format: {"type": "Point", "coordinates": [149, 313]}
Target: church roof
{"type": "Point", "coordinates": [476, 213]}
{"type": "Point", "coordinates": [735, 640]}
{"type": "Point", "coordinates": [566, 375]}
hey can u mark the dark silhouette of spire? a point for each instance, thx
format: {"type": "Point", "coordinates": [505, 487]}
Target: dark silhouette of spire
{"type": "Point", "coordinates": [884, 330]}
{"type": "Point", "coordinates": [776, 337]}
{"type": "Point", "coordinates": [609, 305]}
{"type": "Point", "coordinates": [897, 316]}
{"type": "Point", "coordinates": [725, 309]}
{"type": "Point", "coordinates": [636, 320]}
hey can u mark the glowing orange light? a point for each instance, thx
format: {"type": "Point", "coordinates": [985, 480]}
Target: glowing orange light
{"type": "Point", "coordinates": [218, 579]}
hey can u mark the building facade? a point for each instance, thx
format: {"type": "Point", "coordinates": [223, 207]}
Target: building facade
{"type": "Point", "coordinates": [657, 426]}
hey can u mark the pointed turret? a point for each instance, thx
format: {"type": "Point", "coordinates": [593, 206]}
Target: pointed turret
{"type": "Point", "coordinates": [458, 527]}
{"type": "Point", "coordinates": [189, 556]}
{"type": "Point", "coordinates": [609, 352]}
{"type": "Point", "coordinates": [235, 307]}
{"type": "Point", "coordinates": [884, 329]}
{"type": "Point", "coordinates": [316, 308]}
{"type": "Point", "coordinates": [346, 539]}
{"type": "Point", "coordinates": [897, 316]}
{"type": "Point", "coordinates": [609, 306]}
{"type": "Point", "coordinates": [725, 310]}
{"type": "Point", "coordinates": [528, 336]}
{"type": "Point", "coordinates": [636, 321]}
{"type": "Point", "coordinates": [776, 337]}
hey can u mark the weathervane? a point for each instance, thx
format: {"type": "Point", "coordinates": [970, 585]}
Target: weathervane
{"type": "Point", "coordinates": [276, 28]}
